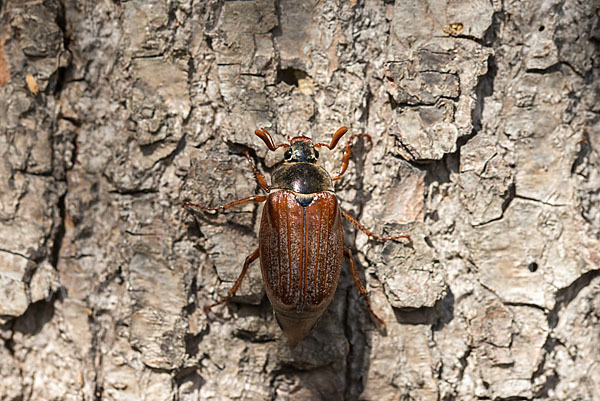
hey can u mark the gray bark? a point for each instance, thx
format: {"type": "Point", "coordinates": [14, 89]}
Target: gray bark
{"type": "Point", "coordinates": [485, 119]}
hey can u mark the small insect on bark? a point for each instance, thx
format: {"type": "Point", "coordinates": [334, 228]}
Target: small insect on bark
{"type": "Point", "coordinates": [301, 245]}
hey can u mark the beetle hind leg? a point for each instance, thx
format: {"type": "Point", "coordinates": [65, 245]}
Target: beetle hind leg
{"type": "Point", "coordinates": [249, 259]}
{"type": "Point", "coordinates": [361, 288]}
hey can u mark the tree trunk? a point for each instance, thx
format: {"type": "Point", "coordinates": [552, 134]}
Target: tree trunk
{"type": "Point", "coordinates": [485, 126]}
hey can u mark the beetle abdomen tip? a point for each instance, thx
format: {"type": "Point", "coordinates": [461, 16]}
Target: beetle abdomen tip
{"type": "Point", "coordinates": [295, 329]}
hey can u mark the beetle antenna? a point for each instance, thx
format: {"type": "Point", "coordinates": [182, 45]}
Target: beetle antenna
{"type": "Point", "coordinates": [336, 138]}
{"type": "Point", "coordinates": [268, 140]}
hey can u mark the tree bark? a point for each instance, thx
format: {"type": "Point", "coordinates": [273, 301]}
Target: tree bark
{"type": "Point", "coordinates": [485, 120]}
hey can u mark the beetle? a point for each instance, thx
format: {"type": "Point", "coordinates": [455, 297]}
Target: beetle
{"type": "Point", "coordinates": [301, 245]}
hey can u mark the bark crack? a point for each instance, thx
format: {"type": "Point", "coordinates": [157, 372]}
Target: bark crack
{"type": "Point", "coordinates": [565, 295]}
{"type": "Point", "coordinates": [16, 253]}
{"type": "Point", "coordinates": [517, 196]}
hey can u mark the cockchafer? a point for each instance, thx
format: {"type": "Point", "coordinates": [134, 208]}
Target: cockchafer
{"type": "Point", "coordinates": [301, 245]}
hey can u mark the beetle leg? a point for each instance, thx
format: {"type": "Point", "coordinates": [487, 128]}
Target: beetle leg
{"type": "Point", "coordinates": [346, 156]}
{"type": "Point", "coordinates": [359, 284]}
{"type": "Point", "coordinates": [369, 233]}
{"type": "Point", "coordinates": [256, 198]}
{"type": "Point", "coordinates": [249, 259]}
{"type": "Point", "coordinates": [259, 176]}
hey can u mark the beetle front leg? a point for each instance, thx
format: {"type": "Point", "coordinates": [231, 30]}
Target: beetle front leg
{"type": "Point", "coordinates": [359, 284]}
{"type": "Point", "coordinates": [259, 176]}
{"type": "Point", "coordinates": [251, 258]}
{"type": "Point", "coordinates": [369, 233]}
{"type": "Point", "coordinates": [256, 198]}
{"type": "Point", "coordinates": [347, 153]}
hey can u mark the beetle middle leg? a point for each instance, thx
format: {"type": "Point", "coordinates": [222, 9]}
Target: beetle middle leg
{"type": "Point", "coordinates": [249, 259]}
{"type": "Point", "coordinates": [369, 233]}
{"type": "Point", "coordinates": [359, 284]}
{"type": "Point", "coordinates": [256, 198]}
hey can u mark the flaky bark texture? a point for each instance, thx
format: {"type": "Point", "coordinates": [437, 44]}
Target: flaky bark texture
{"type": "Point", "coordinates": [485, 118]}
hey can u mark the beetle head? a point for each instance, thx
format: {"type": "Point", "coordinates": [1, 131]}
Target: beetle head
{"type": "Point", "coordinates": [301, 150]}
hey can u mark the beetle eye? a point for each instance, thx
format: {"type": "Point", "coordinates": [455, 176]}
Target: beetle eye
{"type": "Point", "coordinates": [316, 154]}
{"type": "Point", "coordinates": [288, 154]}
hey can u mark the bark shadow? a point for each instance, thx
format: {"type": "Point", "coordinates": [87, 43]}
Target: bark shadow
{"type": "Point", "coordinates": [437, 316]}
{"type": "Point", "coordinates": [37, 315]}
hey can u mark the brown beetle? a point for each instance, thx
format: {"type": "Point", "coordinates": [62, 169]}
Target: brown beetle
{"type": "Point", "coordinates": [301, 245]}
